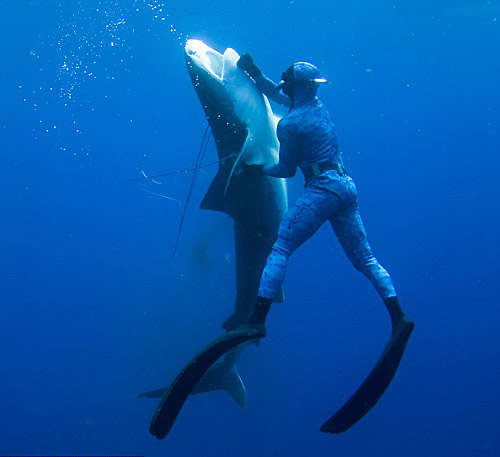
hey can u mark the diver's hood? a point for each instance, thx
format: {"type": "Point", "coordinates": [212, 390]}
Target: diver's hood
{"type": "Point", "coordinates": [301, 73]}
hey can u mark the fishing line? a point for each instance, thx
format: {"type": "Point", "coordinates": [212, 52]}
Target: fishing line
{"type": "Point", "coordinates": [178, 172]}
{"type": "Point", "coordinates": [201, 154]}
{"type": "Point", "coordinates": [207, 135]}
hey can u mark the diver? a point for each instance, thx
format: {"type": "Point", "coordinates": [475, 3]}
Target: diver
{"type": "Point", "coordinates": [308, 140]}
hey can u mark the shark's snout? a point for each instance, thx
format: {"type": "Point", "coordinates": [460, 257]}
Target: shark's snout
{"type": "Point", "coordinates": [205, 58]}
{"type": "Point", "coordinates": [192, 47]}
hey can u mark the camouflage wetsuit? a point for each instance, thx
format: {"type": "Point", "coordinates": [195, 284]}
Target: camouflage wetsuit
{"type": "Point", "coordinates": [307, 136]}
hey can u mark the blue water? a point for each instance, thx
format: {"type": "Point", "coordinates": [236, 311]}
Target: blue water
{"type": "Point", "coordinates": [96, 309]}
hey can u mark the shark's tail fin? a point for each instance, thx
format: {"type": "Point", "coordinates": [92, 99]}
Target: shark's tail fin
{"type": "Point", "coordinates": [231, 380]}
{"type": "Point", "coordinates": [158, 393]}
{"type": "Point", "coordinates": [224, 376]}
{"type": "Point", "coordinates": [221, 376]}
{"type": "Point", "coordinates": [233, 385]}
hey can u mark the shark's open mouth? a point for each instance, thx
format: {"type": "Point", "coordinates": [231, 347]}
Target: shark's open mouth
{"type": "Point", "coordinates": [205, 57]}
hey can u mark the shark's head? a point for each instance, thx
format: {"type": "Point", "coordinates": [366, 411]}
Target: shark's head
{"type": "Point", "coordinates": [207, 62]}
{"type": "Point", "coordinates": [211, 73]}
{"type": "Point", "coordinates": [239, 115]}
{"type": "Point", "coordinates": [234, 107]}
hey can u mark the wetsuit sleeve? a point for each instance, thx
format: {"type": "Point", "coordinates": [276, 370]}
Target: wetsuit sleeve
{"type": "Point", "coordinates": [287, 165]}
{"type": "Point", "coordinates": [269, 88]}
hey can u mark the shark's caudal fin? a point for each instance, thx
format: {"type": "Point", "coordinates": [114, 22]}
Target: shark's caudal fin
{"type": "Point", "coordinates": [231, 381]}
{"type": "Point", "coordinates": [222, 376]}
{"type": "Point", "coordinates": [158, 393]}
{"type": "Point", "coordinates": [196, 369]}
{"type": "Point", "coordinates": [234, 386]}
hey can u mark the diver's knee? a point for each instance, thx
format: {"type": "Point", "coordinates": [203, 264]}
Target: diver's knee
{"type": "Point", "coordinates": [280, 251]}
{"type": "Point", "coordinates": [365, 265]}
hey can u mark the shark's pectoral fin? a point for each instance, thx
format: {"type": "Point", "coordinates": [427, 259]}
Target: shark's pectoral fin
{"type": "Point", "coordinates": [242, 155]}
{"type": "Point", "coordinates": [214, 199]}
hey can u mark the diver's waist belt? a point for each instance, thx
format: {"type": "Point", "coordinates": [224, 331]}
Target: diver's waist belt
{"type": "Point", "coordinates": [316, 168]}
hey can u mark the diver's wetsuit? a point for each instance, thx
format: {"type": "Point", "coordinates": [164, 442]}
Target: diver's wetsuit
{"type": "Point", "coordinates": [307, 137]}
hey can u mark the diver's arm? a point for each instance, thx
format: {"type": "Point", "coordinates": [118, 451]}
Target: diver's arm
{"type": "Point", "coordinates": [270, 88]}
{"type": "Point", "coordinates": [264, 84]}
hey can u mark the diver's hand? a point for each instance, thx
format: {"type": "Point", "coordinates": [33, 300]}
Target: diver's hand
{"type": "Point", "coordinates": [245, 62]}
{"type": "Point", "coordinates": [253, 169]}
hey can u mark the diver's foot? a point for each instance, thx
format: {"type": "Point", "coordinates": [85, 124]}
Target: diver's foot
{"type": "Point", "coordinates": [375, 384]}
{"type": "Point", "coordinates": [394, 309]}
{"type": "Point", "coordinates": [400, 334]}
{"type": "Point", "coordinates": [260, 311]}
{"type": "Point", "coordinates": [403, 326]}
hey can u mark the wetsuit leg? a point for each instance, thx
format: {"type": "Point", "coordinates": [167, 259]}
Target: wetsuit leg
{"type": "Point", "coordinates": [305, 217]}
{"type": "Point", "coordinates": [351, 233]}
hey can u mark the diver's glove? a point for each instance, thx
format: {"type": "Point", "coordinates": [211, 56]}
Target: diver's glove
{"type": "Point", "coordinates": [253, 169]}
{"type": "Point", "coordinates": [245, 62]}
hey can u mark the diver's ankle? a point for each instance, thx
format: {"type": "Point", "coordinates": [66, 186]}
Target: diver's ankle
{"type": "Point", "coordinates": [260, 311]}
{"type": "Point", "coordinates": [394, 309]}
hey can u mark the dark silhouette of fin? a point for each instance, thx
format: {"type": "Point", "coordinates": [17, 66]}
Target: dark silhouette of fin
{"type": "Point", "coordinates": [214, 199]}
{"type": "Point", "coordinates": [158, 393]}
{"type": "Point", "coordinates": [375, 384]}
{"type": "Point", "coordinates": [186, 380]}
{"type": "Point", "coordinates": [223, 375]}
{"type": "Point", "coordinates": [227, 379]}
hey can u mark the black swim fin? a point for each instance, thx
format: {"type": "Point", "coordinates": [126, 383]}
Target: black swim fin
{"type": "Point", "coordinates": [375, 384]}
{"type": "Point", "coordinates": [183, 385]}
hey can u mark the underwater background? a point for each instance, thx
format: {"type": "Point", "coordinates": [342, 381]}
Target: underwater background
{"type": "Point", "coordinates": [95, 308]}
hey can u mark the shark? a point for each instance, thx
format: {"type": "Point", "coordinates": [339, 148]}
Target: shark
{"type": "Point", "coordinates": [243, 125]}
